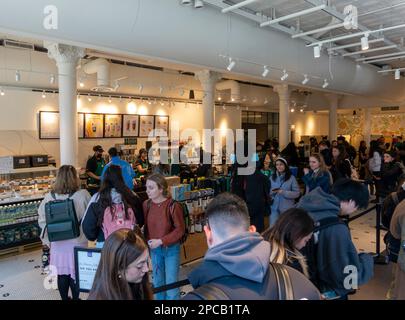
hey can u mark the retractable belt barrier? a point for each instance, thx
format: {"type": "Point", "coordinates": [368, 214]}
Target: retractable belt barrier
{"type": "Point", "coordinates": [170, 286]}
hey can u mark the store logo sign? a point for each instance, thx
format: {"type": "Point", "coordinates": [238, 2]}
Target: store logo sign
{"type": "Point", "coordinates": [50, 21]}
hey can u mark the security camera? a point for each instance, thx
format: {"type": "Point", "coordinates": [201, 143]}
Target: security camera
{"type": "Point", "coordinates": [198, 4]}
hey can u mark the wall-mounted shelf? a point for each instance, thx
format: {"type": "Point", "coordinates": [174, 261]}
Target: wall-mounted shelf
{"type": "Point", "coordinates": [28, 170]}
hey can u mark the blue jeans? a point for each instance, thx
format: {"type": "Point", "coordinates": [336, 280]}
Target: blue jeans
{"type": "Point", "coordinates": [165, 270]}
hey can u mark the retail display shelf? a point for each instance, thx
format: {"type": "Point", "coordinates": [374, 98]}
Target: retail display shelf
{"type": "Point", "coordinates": [18, 224]}
{"type": "Point", "coordinates": [15, 200]}
{"type": "Point", "coordinates": [28, 170]}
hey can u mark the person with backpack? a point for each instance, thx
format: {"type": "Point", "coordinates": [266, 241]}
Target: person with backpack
{"type": "Point", "coordinates": [122, 273]}
{"type": "Point", "coordinates": [237, 264]}
{"type": "Point", "coordinates": [114, 207]}
{"type": "Point", "coordinates": [376, 165]}
{"type": "Point", "coordinates": [164, 230]}
{"type": "Point", "coordinates": [318, 175]}
{"type": "Point", "coordinates": [288, 236]}
{"type": "Point", "coordinates": [284, 190]}
{"type": "Point", "coordinates": [59, 216]}
{"type": "Point", "coordinates": [331, 250]}
{"type": "Point", "coordinates": [341, 165]}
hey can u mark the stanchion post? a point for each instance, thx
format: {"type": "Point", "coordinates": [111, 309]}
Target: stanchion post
{"type": "Point", "coordinates": [379, 258]}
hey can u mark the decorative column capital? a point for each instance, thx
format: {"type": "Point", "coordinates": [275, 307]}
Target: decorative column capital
{"type": "Point", "coordinates": [207, 78]}
{"type": "Point", "coordinates": [283, 91]}
{"type": "Point", "coordinates": [63, 53]}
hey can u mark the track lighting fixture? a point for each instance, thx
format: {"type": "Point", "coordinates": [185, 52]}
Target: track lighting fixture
{"type": "Point", "coordinates": [198, 4]}
{"type": "Point", "coordinates": [265, 72]}
{"type": "Point", "coordinates": [317, 51]}
{"type": "Point", "coordinates": [231, 64]}
{"type": "Point", "coordinates": [17, 76]}
{"type": "Point", "coordinates": [43, 94]}
{"type": "Point", "coordinates": [284, 76]}
{"type": "Point", "coordinates": [52, 79]}
{"type": "Point", "coordinates": [364, 42]}
{"type": "Point", "coordinates": [325, 84]}
{"type": "Point", "coordinates": [306, 79]}
{"type": "Point", "coordinates": [397, 74]}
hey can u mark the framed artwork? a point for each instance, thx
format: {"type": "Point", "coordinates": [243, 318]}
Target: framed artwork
{"type": "Point", "coordinates": [112, 126]}
{"type": "Point", "coordinates": [162, 123]}
{"type": "Point", "coordinates": [94, 125]}
{"type": "Point", "coordinates": [49, 125]}
{"type": "Point", "coordinates": [146, 125]}
{"type": "Point", "coordinates": [130, 125]}
{"type": "Point", "coordinates": [80, 125]}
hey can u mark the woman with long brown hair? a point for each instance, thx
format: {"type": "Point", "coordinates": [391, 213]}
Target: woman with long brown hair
{"type": "Point", "coordinates": [122, 273]}
{"type": "Point", "coordinates": [318, 175]}
{"type": "Point", "coordinates": [164, 228]}
{"type": "Point", "coordinates": [290, 233]}
{"type": "Point", "coordinates": [67, 185]}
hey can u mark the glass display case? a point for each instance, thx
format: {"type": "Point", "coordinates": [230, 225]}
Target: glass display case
{"type": "Point", "coordinates": [21, 192]}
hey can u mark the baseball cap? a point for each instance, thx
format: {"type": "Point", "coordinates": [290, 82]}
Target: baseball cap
{"type": "Point", "coordinates": [98, 148]}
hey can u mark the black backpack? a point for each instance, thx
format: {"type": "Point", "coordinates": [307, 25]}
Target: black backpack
{"type": "Point", "coordinates": [311, 249]}
{"type": "Point", "coordinates": [284, 286]}
{"type": "Point", "coordinates": [61, 219]}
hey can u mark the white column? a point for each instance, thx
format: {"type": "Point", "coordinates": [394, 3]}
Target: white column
{"type": "Point", "coordinates": [284, 114]}
{"type": "Point", "coordinates": [333, 107]}
{"type": "Point", "coordinates": [208, 79]}
{"type": "Point", "coordinates": [367, 126]}
{"type": "Point", "coordinates": [66, 58]}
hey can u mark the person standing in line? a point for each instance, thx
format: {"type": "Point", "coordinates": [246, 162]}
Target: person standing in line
{"type": "Point", "coordinates": [288, 236]}
{"type": "Point", "coordinates": [318, 175]}
{"type": "Point", "coordinates": [67, 185]}
{"type": "Point", "coordinates": [164, 228]}
{"type": "Point", "coordinates": [284, 190]}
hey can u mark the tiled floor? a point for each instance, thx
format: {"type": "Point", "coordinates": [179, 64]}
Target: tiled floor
{"type": "Point", "coordinates": [21, 277]}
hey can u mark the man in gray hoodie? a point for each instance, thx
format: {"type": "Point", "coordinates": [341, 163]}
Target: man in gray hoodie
{"type": "Point", "coordinates": [335, 267]}
{"type": "Point", "coordinates": [237, 260]}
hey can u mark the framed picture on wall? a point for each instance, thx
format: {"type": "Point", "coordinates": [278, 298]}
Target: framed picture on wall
{"type": "Point", "coordinates": [146, 125]}
{"type": "Point", "coordinates": [162, 123]}
{"type": "Point", "coordinates": [48, 125]}
{"type": "Point", "coordinates": [130, 126]}
{"type": "Point", "coordinates": [94, 125]}
{"type": "Point", "coordinates": [112, 126]}
{"type": "Point", "coordinates": [80, 125]}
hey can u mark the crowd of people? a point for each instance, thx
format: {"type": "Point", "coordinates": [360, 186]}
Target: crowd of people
{"type": "Point", "coordinates": [308, 240]}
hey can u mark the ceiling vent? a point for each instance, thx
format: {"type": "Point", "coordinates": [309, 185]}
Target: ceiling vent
{"type": "Point", "coordinates": [18, 45]}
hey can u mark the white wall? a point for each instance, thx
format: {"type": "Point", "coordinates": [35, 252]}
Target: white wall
{"type": "Point", "coordinates": [19, 121]}
{"type": "Point", "coordinates": [309, 124]}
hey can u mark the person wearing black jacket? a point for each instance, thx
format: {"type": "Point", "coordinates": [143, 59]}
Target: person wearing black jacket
{"type": "Point", "coordinates": [113, 191]}
{"type": "Point", "coordinates": [341, 167]}
{"type": "Point", "coordinates": [391, 173]}
{"type": "Point", "coordinates": [326, 153]}
{"type": "Point", "coordinates": [290, 154]}
{"type": "Point", "coordinates": [257, 190]}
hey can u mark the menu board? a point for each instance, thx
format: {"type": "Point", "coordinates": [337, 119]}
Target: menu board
{"type": "Point", "coordinates": [93, 125]}
{"type": "Point", "coordinates": [162, 124]}
{"type": "Point", "coordinates": [86, 264]}
{"type": "Point", "coordinates": [146, 124]}
{"type": "Point", "coordinates": [49, 125]}
{"type": "Point", "coordinates": [112, 126]}
{"type": "Point", "coordinates": [130, 125]}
